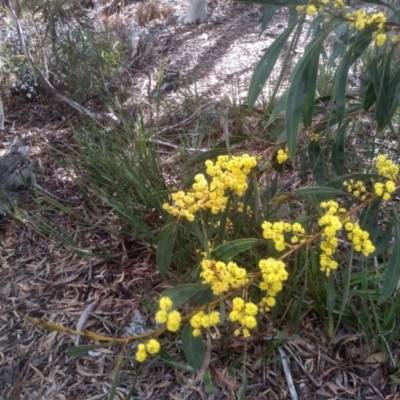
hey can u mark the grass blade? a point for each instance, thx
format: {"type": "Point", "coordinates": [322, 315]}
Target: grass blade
{"type": "Point", "coordinates": [166, 242]}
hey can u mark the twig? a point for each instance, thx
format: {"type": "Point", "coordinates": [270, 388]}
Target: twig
{"type": "Point", "coordinates": [288, 375]}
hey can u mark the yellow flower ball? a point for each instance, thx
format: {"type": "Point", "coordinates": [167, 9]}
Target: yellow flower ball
{"type": "Point", "coordinates": [161, 317]}
{"type": "Point", "coordinates": [141, 353]}
{"type": "Point", "coordinates": [174, 321]}
{"type": "Point", "coordinates": [380, 39]}
{"type": "Point", "coordinates": [153, 346]}
{"type": "Point", "coordinates": [165, 303]}
{"type": "Point", "coordinates": [311, 9]}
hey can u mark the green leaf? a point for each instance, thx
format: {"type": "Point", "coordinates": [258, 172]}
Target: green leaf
{"type": "Point", "coordinates": [265, 66]}
{"type": "Point", "coordinates": [313, 67]}
{"type": "Point", "coordinates": [337, 153]}
{"type": "Point", "coordinates": [202, 297]}
{"type": "Point", "coordinates": [393, 96]}
{"type": "Point", "coordinates": [300, 81]}
{"type": "Point", "coordinates": [380, 80]}
{"type": "Point", "coordinates": [193, 347]}
{"type": "Point", "coordinates": [342, 34]}
{"type": "Point", "coordinates": [295, 104]}
{"type": "Point", "coordinates": [280, 106]}
{"type": "Point", "coordinates": [393, 267]}
{"type": "Point", "coordinates": [309, 102]}
{"type": "Point", "coordinates": [321, 193]}
{"type": "Point", "coordinates": [316, 162]}
{"type": "Point", "coordinates": [229, 250]}
{"type": "Point", "coordinates": [360, 43]}
{"type": "Point", "coordinates": [165, 247]}
{"type": "Point", "coordinates": [266, 18]}
{"type": "Point", "coordinates": [367, 92]}
{"type": "Point", "coordinates": [369, 218]}
{"type": "Point", "coordinates": [182, 293]}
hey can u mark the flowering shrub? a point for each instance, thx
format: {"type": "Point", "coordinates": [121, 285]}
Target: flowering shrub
{"type": "Point", "coordinates": [226, 279]}
{"type": "Point", "coordinates": [227, 174]}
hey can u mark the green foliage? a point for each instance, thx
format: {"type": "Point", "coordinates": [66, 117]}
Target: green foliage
{"type": "Point", "coordinates": [193, 347]}
{"type": "Point", "coordinates": [121, 167]}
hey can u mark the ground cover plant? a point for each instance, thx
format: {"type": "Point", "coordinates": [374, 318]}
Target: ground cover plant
{"type": "Point", "coordinates": [239, 248]}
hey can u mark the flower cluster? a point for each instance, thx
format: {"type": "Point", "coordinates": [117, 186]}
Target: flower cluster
{"type": "Point", "coordinates": [222, 277]}
{"type": "Point", "coordinates": [276, 232]}
{"type": "Point", "coordinates": [273, 274]}
{"type": "Point", "coordinates": [316, 6]}
{"type": "Point", "coordinates": [359, 238]}
{"type": "Point", "coordinates": [388, 170]}
{"type": "Point", "coordinates": [338, 4]}
{"type": "Point", "coordinates": [165, 316]}
{"type": "Point", "coordinates": [357, 189]}
{"type": "Point", "coordinates": [359, 19]}
{"type": "Point", "coordinates": [144, 349]}
{"type": "Point", "coordinates": [314, 137]}
{"type": "Point", "coordinates": [244, 314]}
{"type": "Point", "coordinates": [384, 190]}
{"type": "Point", "coordinates": [227, 174]}
{"type": "Point", "coordinates": [386, 167]}
{"type": "Point", "coordinates": [331, 224]}
{"type": "Point", "coordinates": [203, 320]}
{"type": "Point", "coordinates": [282, 155]}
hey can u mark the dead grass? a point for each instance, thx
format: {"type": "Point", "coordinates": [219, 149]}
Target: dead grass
{"type": "Point", "coordinates": [151, 10]}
